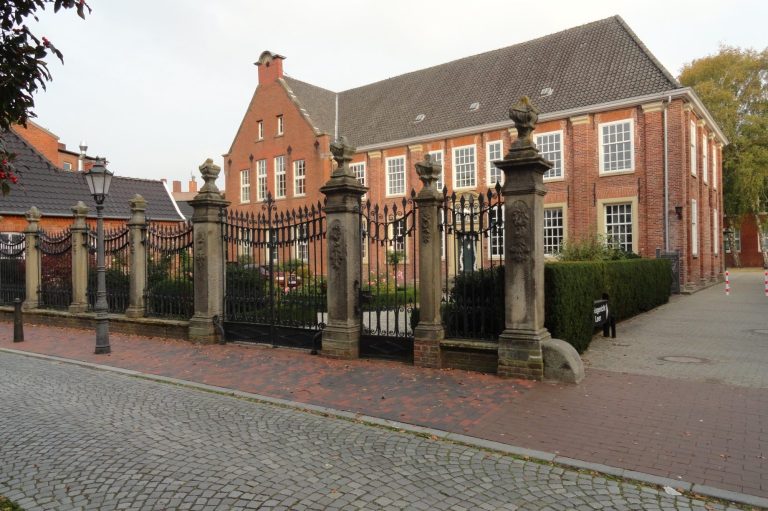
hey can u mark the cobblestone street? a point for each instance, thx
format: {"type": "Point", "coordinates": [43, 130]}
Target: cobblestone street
{"type": "Point", "coordinates": [76, 438]}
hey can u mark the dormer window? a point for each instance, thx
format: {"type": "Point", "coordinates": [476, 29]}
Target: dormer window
{"type": "Point", "coordinates": [546, 91]}
{"type": "Point", "coordinates": [474, 107]}
{"type": "Point", "coordinates": [280, 127]}
{"type": "Point", "coordinates": [419, 118]}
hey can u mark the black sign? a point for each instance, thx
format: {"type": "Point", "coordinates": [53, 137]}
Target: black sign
{"type": "Point", "coordinates": [600, 312]}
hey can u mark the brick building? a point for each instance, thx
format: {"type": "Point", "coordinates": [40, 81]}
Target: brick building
{"type": "Point", "coordinates": [637, 157]}
{"type": "Point", "coordinates": [48, 144]}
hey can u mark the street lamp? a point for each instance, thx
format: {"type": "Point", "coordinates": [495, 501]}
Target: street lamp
{"type": "Point", "coordinates": [99, 179]}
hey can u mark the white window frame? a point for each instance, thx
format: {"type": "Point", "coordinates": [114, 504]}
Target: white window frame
{"type": "Point", "coordinates": [497, 237]}
{"type": "Point", "coordinates": [473, 176]}
{"type": "Point", "coordinates": [439, 154]}
{"type": "Point", "coordinates": [245, 186]}
{"type": "Point", "coordinates": [602, 208]}
{"type": "Point", "coordinates": [395, 227]}
{"type": "Point", "coordinates": [489, 166]}
{"type": "Point", "coordinates": [550, 175]}
{"type": "Point", "coordinates": [704, 158]}
{"type": "Point", "coordinates": [358, 169]}
{"type": "Point", "coordinates": [281, 179]}
{"type": "Point", "coordinates": [260, 130]}
{"type": "Point", "coordinates": [299, 178]}
{"type": "Point", "coordinates": [694, 228]}
{"type": "Point", "coordinates": [302, 242]}
{"type": "Point", "coordinates": [736, 241]}
{"type": "Point", "coordinates": [692, 153]}
{"type": "Point", "coordinates": [280, 125]}
{"type": "Point", "coordinates": [389, 175]}
{"type": "Point", "coordinates": [562, 228]}
{"type": "Point", "coordinates": [67, 166]}
{"type": "Point", "coordinates": [261, 180]}
{"type": "Point", "coordinates": [601, 147]}
{"type": "Point", "coordinates": [714, 165]}
{"type": "Point", "coordinates": [715, 232]}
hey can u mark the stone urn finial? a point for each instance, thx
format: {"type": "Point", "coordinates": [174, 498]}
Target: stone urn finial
{"type": "Point", "coordinates": [429, 172]}
{"type": "Point", "coordinates": [342, 154]}
{"type": "Point", "coordinates": [524, 115]}
{"type": "Point", "coordinates": [210, 171]}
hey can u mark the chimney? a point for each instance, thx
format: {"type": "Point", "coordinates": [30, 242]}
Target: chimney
{"type": "Point", "coordinates": [192, 185]}
{"type": "Point", "coordinates": [270, 67]}
{"type": "Point", "coordinates": [176, 186]}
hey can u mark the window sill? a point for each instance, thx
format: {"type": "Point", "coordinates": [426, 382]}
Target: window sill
{"type": "Point", "coordinates": [609, 173]}
{"type": "Point", "coordinates": [554, 179]}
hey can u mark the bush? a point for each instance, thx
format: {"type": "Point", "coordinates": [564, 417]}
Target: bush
{"type": "Point", "coordinates": [476, 304]}
{"type": "Point", "coordinates": [592, 248]}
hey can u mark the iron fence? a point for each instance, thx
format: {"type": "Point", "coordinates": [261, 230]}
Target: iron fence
{"type": "Point", "coordinates": [116, 267]}
{"type": "Point", "coordinates": [13, 247]}
{"type": "Point", "coordinates": [55, 269]}
{"type": "Point", "coordinates": [169, 291]}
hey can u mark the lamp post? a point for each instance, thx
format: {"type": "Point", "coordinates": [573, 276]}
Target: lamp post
{"type": "Point", "coordinates": [99, 179]}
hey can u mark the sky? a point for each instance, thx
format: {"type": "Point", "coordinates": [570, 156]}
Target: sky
{"type": "Point", "coordinates": [158, 86]}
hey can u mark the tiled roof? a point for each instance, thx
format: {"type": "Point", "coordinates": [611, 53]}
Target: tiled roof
{"type": "Point", "coordinates": [591, 64]}
{"type": "Point", "coordinates": [55, 191]}
{"type": "Point", "coordinates": [319, 104]}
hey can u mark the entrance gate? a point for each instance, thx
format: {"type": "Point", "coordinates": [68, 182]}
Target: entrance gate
{"type": "Point", "coordinates": [275, 289]}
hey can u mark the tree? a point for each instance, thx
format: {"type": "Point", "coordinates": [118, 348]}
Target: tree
{"type": "Point", "coordinates": [23, 68]}
{"type": "Point", "coordinates": [733, 84]}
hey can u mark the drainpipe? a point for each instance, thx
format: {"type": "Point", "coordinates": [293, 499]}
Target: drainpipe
{"type": "Point", "coordinates": [666, 176]}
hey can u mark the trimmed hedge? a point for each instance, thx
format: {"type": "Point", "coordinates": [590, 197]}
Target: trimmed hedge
{"type": "Point", "coordinates": [633, 286]}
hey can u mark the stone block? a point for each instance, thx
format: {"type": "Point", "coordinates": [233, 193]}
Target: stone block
{"type": "Point", "coordinates": [561, 362]}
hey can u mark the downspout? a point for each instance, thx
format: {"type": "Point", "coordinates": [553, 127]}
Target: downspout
{"type": "Point", "coordinates": [666, 177]}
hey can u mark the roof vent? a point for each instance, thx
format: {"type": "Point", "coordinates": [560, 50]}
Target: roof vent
{"type": "Point", "coordinates": [419, 118]}
{"type": "Point", "coordinates": [546, 91]}
{"type": "Point", "coordinates": [474, 107]}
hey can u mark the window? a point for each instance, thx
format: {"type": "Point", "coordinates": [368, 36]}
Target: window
{"type": "Point", "coordinates": [618, 226]}
{"type": "Point", "coordinates": [302, 242]}
{"type": "Point", "coordinates": [260, 127]}
{"type": "Point", "coordinates": [280, 126]}
{"type": "Point", "coordinates": [693, 148]}
{"type": "Point", "coordinates": [736, 241]}
{"type": "Point", "coordinates": [67, 165]}
{"type": "Point", "coordinates": [280, 180]}
{"type": "Point", "coordinates": [299, 178]}
{"type": "Point", "coordinates": [464, 175]}
{"type": "Point", "coordinates": [359, 170]}
{"type": "Point", "coordinates": [398, 236]}
{"type": "Point", "coordinates": [551, 148]}
{"type": "Point", "coordinates": [496, 232]}
{"type": "Point", "coordinates": [245, 185]}
{"type": "Point", "coordinates": [616, 153]}
{"type": "Point", "coordinates": [495, 175]}
{"type": "Point", "coordinates": [694, 228]}
{"type": "Point", "coordinates": [714, 166]}
{"type": "Point", "coordinates": [437, 157]}
{"type": "Point", "coordinates": [704, 162]}
{"type": "Point", "coordinates": [261, 180]}
{"type": "Point", "coordinates": [396, 175]}
{"type": "Point", "coordinates": [715, 232]}
{"type": "Point", "coordinates": [554, 231]}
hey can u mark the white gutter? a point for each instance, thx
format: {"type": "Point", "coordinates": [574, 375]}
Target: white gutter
{"type": "Point", "coordinates": [686, 93]}
{"type": "Point", "coordinates": [173, 201]}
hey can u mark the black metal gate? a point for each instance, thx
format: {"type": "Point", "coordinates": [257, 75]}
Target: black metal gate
{"type": "Point", "coordinates": [389, 290]}
{"type": "Point", "coordinates": [170, 287]}
{"type": "Point", "coordinates": [116, 266]}
{"type": "Point", "coordinates": [55, 269]}
{"type": "Point", "coordinates": [275, 279]}
{"type": "Point", "coordinates": [12, 267]}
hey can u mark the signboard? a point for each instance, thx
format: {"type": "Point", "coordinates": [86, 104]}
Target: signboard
{"type": "Point", "coordinates": [600, 312]}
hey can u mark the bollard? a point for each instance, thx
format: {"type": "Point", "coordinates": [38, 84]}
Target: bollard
{"type": "Point", "coordinates": [727, 284]}
{"type": "Point", "coordinates": [18, 322]}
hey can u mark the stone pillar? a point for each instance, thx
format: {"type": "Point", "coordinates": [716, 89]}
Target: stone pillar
{"type": "Point", "coordinates": [341, 337]}
{"type": "Point", "coordinates": [79, 259]}
{"type": "Point", "coordinates": [32, 258]}
{"type": "Point", "coordinates": [520, 353]}
{"type": "Point", "coordinates": [209, 256]}
{"type": "Point", "coordinates": [429, 332]}
{"type": "Point", "coordinates": [137, 225]}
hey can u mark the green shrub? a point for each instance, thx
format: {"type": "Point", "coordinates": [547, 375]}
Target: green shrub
{"type": "Point", "coordinates": [592, 248]}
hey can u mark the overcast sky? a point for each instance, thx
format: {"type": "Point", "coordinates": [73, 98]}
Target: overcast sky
{"type": "Point", "coordinates": [158, 86]}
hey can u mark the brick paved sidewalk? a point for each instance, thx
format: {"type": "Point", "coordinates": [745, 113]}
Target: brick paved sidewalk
{"type": "Point", "coordinates": [698, 432]}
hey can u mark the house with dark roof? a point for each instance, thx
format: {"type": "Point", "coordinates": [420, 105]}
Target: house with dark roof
{"type": "Point", "coordinates": [54, 191]}
{"type": "Point", "coordinates": [636, 156]}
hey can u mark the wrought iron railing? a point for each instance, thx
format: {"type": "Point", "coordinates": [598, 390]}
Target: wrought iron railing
{"type": "Point", "coordinates": [116, 267]}
{"type": "Point", "coordinates": [169, 290]}
{"type": "Point", "coordinates": [56, 269]}
{"type": "Point", "coordinates": [13, 247]}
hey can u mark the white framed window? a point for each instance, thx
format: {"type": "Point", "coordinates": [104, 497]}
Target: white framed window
{"type": "Point", "coordinates": [496, 232]}
{"type": "Point", "coordinates": [280, 125]}
{"type": "Point", "coordinates": [398, 236]}
{"type": "Point", "coordinates": [299, 178]}
{"type": "Point", "coordinates": [261, 180]}
{"type": "Point", "coordinates": [692, 156]}
{"type": "Point", "coordinates": [358, 169]}
{"type": "Point", "coordinates": [551, 148]}
{"type": "Point", "coordinates": [554, 230]}
{"type": "Point", "coordinates": [437, 157]}
{"type": "Point", "coordinates": [694, 228]}
{"type": "Point", "coordinates": [618, 226]}
{"type": "Point", "coordinates": [396, 176]}
{"type": "Point", "coordinates": [442, 231]}
{"type": "Point", "coordinates": [302, 242]}
{"type": "Point", "coordinates": [704, 158]}
{"type": "Point", "coordinates": [493, 152]}
{"type": "Point", "coordinates": [715, 232]}
{"type": "Point", "coordinates": [464, 167]}
{"type": "Point", "coordinates": [260, 130]}
{"type": "Point", "coordinates": [714, 166]}
{"type": "Point", "coordinates": [67, 165]}
{"type": "Point", "coordinates": [280, 178]}
{"type": "Point", "coordinates": [245, 185]}
{"type": "Point", "coordinates": [617, 146]}
{"type": "Point", "coordinates": [736, 241]}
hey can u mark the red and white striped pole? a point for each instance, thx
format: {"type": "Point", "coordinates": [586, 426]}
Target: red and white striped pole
{"type": "Point", "coordinates": [765, 280]}
{"type": "Point", "coordinates": [727, 283]}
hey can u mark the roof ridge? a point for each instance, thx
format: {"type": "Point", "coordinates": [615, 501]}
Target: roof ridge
{"type": "Point", "coordinates": [672, 80]}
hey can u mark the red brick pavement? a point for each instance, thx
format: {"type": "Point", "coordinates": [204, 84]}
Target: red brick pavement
{"type": "Point", "coordinates": [698, 432]}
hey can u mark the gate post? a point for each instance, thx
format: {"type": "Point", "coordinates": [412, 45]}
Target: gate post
{"type": "Point", "coordinates": [341, 336]}
{"type": "Point", "coordinates": [137, 225]}
{"type": "Point", "coordinates": [32, 273]}
{"type": "Point", "coordinates": [520, 353]}
{"type": "Point", "coordinates": [208, 256]}
{"type": "Point", "coordinates": [79, 259]}
{"type": "Point", "coordinates": [430, 331]}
